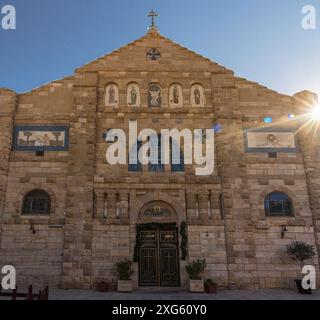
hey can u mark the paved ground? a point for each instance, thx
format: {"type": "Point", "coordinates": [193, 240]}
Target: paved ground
{"type": "Point", "coordinates": [270, 294]}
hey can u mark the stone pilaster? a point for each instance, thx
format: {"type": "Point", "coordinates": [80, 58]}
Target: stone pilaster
{"type": "Point", "coordinates": [100, 204]}
{"type": "Point", "coordinates": [310, 145]}
{"type": "Point", "coordinates": [191, 204]}
{"type": "Point", "coordinates": [124, 206]}
{"type": "Point", "coordinates": [203, 198]}
{"type": "Point", "coordinates": [215, 205]}
{"type": "Point", "coordinates": [112, 197]}
{"type": "Point", "coordinates": [8, 101]}
{"type": "Point", "coordinates": [238, 215]}
{"type": "Point", "coordinates": [78, 227]}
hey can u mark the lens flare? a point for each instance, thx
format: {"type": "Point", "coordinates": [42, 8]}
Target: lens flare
{"type": "Point", "coordinates": [316, 113]}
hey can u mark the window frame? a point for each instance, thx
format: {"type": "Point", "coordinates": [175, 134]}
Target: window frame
{"type": "Point", "coordinates": [32, 197]}
{"type": "Point", "coordinates": [283, 214]}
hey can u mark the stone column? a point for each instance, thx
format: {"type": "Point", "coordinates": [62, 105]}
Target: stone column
{"type": "Point", "coordinates": [215, 205]}
{"type": "Point", "coordinates": [191, 204]}
{"type": "Point", "coordinates": [124, 206]}
{"type": "Point", "coordinates": [203, 198]}
{"type": "Point", "coordinates": [8, 102]}
{"type": "Point", "coordinates": [100, 202]}
{"type": "Point", "coordinates": [231, 164]}
{"type": "Point", "coordinates": [112, 205]}
{"type": "Point", "coordinates": [310, 146]}
{"type": "Point", "coordinates": [76, 264]}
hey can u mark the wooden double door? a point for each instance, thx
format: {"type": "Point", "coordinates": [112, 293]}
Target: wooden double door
{"type": "Point", "coordinates": [159, 257]}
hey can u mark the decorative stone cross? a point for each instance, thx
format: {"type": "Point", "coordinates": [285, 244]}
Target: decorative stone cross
{"type": "Point", "coordinates": [153, 14]}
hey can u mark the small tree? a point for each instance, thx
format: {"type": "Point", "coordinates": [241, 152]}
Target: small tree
{"type": "Point", "coordinates": [124, 269]}
{"type": "Point", "coordinates": [195, 269]}
{"type": "Point", "coordinates": [300, 251]}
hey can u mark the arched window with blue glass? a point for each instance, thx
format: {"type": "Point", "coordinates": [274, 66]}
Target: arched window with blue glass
{"type": "Point", "coordinates": [137, 166]}
{"type": "Point", "coordinates": [36, 202]}
{"type": "Point", "coordinates": [177, 161]}
{"type": "Point", "coordinates": [156, 164]}
{"type": "Point", "coordinates": [278, 204]}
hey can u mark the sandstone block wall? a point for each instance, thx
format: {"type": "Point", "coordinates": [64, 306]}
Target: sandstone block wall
{"type": "Point", "coordinates": [96, 206]}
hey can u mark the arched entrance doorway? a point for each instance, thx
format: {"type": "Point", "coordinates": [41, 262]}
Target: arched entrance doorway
{"type": "Point", "coordinates": [158, 245]}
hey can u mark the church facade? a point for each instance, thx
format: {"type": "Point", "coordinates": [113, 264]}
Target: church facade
{"type": "Point", "coordinates": [67, 215]}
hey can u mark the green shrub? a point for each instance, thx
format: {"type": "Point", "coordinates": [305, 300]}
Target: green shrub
{"type": "Point", "coordinates": [300, 251]}
{"type": "Point", "coordinates": [208, 283]}
{"type": "Point", "coordinates": [195, 269]}
{"type": "Point", "coordinates": [124, 269]}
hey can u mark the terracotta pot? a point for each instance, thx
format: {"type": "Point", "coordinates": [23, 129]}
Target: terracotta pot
{"type": "Point", "coordinates": [212, 288]}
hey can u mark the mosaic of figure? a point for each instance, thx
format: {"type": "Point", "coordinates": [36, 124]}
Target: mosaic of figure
{"type": "Point", "coordinates": [133, 96]}
{"type": "Point", "coordinates": [154, 96]}
{"type": "Point", "coordinates": [197, 96]}
{"type": "Point", "coordinates": [175, 95]}
{"type": "Point", "coordinates": [112, 95]}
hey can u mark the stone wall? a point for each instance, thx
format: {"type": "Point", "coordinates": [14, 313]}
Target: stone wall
{"type": "Point", "coordinates": [95, 206]}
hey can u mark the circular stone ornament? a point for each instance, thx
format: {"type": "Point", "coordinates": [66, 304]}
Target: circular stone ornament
{"type": "Point", "coordinates": [153, 54]}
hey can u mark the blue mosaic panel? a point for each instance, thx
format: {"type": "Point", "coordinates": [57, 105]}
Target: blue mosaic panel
{"type": "Point", "coordinates": [41, 138]}
{"type": "Point", "coordinates": [271, 140]}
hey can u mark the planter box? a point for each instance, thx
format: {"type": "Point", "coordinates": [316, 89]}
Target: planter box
{"type": "Point", "coordinates": [196, 285]}
{"type": "Point", "coordinates": [125, 286]}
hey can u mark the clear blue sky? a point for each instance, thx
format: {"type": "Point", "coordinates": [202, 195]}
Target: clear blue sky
{"type": "Point", "coordinates": [261, 40]}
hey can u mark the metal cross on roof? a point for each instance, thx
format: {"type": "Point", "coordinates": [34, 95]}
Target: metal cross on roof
{"type": "Point", "coordinates": [153, 15]}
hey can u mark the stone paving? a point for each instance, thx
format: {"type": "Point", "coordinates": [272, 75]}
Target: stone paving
{"type": "Point", "coordinates": [268, 294]}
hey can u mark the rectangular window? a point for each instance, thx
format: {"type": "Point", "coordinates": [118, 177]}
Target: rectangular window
{"type": "Point", "coordinates": [176, 167]}
{"type": "Point", "coordinates": [159, 167]}
{"type": "Point", "coordinates": [136, 167]}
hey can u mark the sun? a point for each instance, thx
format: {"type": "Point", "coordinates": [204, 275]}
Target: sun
{"type": "Point", "coordinates": [315, 113]}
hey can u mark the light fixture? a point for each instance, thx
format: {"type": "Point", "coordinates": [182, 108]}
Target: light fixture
{"type": "Point", "coordinates": [283, 231]}
{"type": "Point", "coordinates": [32, 229]}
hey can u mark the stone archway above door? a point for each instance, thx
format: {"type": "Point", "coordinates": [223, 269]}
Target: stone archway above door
{"type": "Point", "coordinates": [157, 212]}
{"type": "Point", "coordinates": [154, 199]}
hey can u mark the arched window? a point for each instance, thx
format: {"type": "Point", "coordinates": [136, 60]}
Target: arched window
{"type": "Point", "coordinates": [158, 167]}
{"type": "Point", "coordinates": [278, 204]}
{"type": "Point", "coordinates": [36, 202]}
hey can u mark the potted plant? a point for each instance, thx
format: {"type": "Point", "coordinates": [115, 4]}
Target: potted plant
{"type": "Point", "coordinates": [301, 251]}
{"type": "Point", "coordinates": [210, 286]}
{"type": "Point", "coordinates": [124, 270]}
{"type": "Point", "coordinates": [195, 271]}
